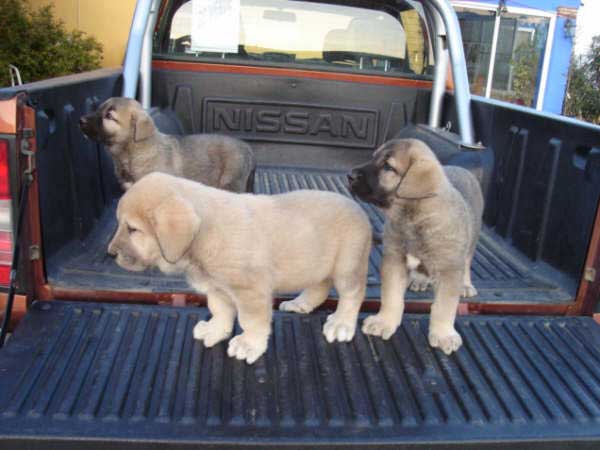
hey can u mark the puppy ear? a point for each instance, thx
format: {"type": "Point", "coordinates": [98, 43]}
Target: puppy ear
{"type": "Point", "coordinates": [142, 126]}
{"type": "Point", "coordinates": [175, 224]}
{"type": "Point", "coordinates": [422, 179]}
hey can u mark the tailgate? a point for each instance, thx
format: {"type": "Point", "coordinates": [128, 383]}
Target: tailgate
{"type": "Point", "coordinates": [84, 375]}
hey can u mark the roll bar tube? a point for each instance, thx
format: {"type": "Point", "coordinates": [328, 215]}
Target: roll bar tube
{"type": "Point", "coordinates": [138, 61]}
{"type": "Point", "coordinates": [133, 55]}
{"type": "Point", "coordinates": [459, 69]}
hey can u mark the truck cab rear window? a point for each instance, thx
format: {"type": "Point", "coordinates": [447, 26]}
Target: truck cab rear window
{"type": "Point", "coordinates": [392, 39]}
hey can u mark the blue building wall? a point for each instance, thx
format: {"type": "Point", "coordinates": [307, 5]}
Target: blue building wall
{"type": "Point", "coordinates": [560, 54]}
{"type": "Point", "coordinates": [560, 59]}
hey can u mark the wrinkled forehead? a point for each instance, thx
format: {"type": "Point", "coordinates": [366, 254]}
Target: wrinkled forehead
{"type": "Point", "coordinates": [108, 104]}
{"type": "Point", "coordinates": [144, 196]}
{"type": "Point", "coordinates": [117, 104]}
{"type": "Point", "coordinates": [129, 207]}
{"type": "Point", "coordinates": [384, 152]}
{"type": "Point", "coordinates": [121, 206]}
{"type": "Point", "coordinates": [392, 149]}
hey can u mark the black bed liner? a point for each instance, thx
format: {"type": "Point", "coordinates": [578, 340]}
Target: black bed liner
{"type": "Point", "coordinates": [109, 376]}
{"type": "Point", "coordinates": [499, 272]}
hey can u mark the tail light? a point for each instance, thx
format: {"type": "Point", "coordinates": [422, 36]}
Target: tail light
{"type": "Point", "coordinates": [6, 235]}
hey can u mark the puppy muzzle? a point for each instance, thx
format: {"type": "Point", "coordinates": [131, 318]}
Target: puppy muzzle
{"type": "Point", "coordinates": [359, 185]}
{"type": "Point", "coordinates": [88, 127]}
{"type": "Point", "coordinates": [124, 260]}
{"type": "Point", "coordinates": [128, 262]}
{"type": "Point", "coordinates": [91, 127]}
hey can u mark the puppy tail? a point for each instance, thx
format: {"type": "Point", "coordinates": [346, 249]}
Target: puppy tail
{"type": "Point", "coordinates": [377, 238]}
{"type": "Point", "coordinates": [251, 164]}
{"type": "Point", "coordinates": [250, 182]}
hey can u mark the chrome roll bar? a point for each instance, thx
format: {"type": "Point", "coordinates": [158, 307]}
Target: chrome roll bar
{"type": "Point", "coordinates": [137, 67]}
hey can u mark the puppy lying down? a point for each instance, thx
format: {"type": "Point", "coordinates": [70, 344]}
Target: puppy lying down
{"type": "Point", "coordinates": [240, 249]}
{"type": "Point", "coordinates": [433, 219]}
{"type": "Point", "coordinates": [138, 148]}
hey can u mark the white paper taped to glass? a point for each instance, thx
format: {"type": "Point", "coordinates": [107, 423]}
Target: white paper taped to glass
{"type": "Point", "coordinates": [215, 26]}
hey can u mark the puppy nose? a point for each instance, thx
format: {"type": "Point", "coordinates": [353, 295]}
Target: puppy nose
{"type": "Point", "coordinates": [354, 175]}
{"type": "Point", "coordinates": [112, 251]}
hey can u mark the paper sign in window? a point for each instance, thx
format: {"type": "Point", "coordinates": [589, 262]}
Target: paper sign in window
{"type": "Point", "coordinates": [215, 26]}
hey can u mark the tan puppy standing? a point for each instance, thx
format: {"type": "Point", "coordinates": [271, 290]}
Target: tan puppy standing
{"type": "Point", "coordinates": [240, 249]}
{"type": "Point", "coordinates": [433, 215]}
{"type": "Point", "coordinates": [138, 148]}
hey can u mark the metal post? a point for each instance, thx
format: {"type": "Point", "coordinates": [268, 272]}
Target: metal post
{"type": "Point", "coordinates": [459, 70]}
{"type": "Point", "coordinates": [441, 68]}
{"type": "Point", "coordinates": [439, 87]}
{"type": "Point", "coordinates": [146, 58]}
{"type": "Point", "coordinates": [15, 75]}
{"type": "Point", "coordinates": [490, 77]}
{"type": "Point", "coordinates": [131, 66]}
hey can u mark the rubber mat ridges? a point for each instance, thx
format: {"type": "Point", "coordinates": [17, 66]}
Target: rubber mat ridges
{"type": "Point", "coordinates": [101, 370]}
{"type": "Point", "coordinates": [495, 271]}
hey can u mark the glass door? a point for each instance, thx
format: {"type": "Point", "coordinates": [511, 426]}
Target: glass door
{"type": "Point", "coordinates": [519, 58]}
{"type": "Point", "coordinates": [505, 52]}
{"type": "Point", "coordinates": [477, 28]}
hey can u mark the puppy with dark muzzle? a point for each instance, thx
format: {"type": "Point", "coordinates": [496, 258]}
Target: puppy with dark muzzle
{"type": "Point", "coordinates": [433, 216]}
{"type": "Point", "coordinates": [138, 148]}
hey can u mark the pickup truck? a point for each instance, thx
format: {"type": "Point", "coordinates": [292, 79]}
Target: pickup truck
{"type": "Point", "coordinates": [101, 358]}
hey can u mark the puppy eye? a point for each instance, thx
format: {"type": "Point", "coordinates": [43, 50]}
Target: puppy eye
{"type": "Point", "coordinates": [387, 167]}
{"type": "Point", "coordinates": [131, 229]}
{"type": "Point", "coordinates": [109, 115]}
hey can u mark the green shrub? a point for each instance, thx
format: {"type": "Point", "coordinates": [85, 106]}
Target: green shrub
{"type": "Point", "coordinates": [525, 64]}
{"type": "Point", "coordinates": [583, 93]}
{"type": "Point", "coordinates": [39, 45]}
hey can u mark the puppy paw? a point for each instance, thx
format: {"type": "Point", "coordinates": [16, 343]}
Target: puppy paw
{"type": "Point", "coordinates": [210, 333]}
{"type": "Point", "coordinates": [126, 185]}
{"type": "Point", "coordinates": [339, 329]}
{"type": "Point", "coordinates": [469, 291]}
{"type": "Point", "coordinates": [419, 281]}
{"type": "Point", "coordinates": [247, 348]}
{"type": "Point", "coordinates": [447, 341]}
{"type": "Point", "coordinates": [296, 306]}
{"type": "Point", "coordinates": [378, 325]}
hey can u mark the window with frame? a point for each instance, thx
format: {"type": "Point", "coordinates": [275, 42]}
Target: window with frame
{"type": "Point", "coordinates": [325, 36]}
{"type": "Point", "coordinates": [520, 51]}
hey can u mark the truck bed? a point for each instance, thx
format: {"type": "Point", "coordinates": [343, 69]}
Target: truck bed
{"type": "Point", "coordinates": [108, 376]}
{"type": "Point", "coordinates": [499, 272]}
